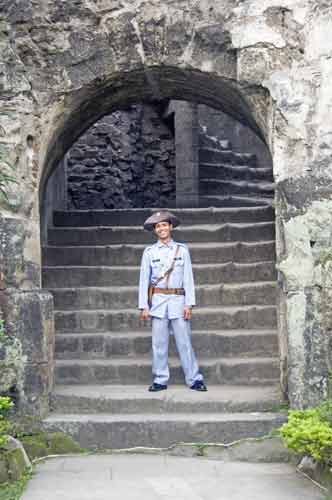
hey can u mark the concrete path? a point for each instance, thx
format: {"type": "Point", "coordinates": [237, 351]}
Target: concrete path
{"type": "Point", "coordinates": [152, 477]}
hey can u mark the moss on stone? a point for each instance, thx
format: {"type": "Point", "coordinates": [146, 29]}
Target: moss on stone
{"type": "Point", "coordinates": [15, 463]}
{"type": "Point", "coordinates": [35, 446]}
{"type": "Point", "coordinates": [49, 443]}
{"type": "Point", "coordinates": [325, 257]}
{"type": "Point", "coordinates": [60, 443]}
{"type": "Point", "coordinates": [13, 491]}
{"type": "Point", "coordinates": [11, 363]}
{"type": "Point", "coordinates": [4, 476]}
{"type": "Point", "coordinates": [12, 465]}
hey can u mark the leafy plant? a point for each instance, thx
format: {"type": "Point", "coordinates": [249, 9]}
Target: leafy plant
{"type": "Point", "coordinates": [5, 402]}
{"type": "Point", "coordinates": [2, 331]}
{"type": "Point", "coordinates": [13, 491]}
{"type": "Point", "coordinates": [5, 406]}
{"type": "Point", "coordinates": [309, 432]}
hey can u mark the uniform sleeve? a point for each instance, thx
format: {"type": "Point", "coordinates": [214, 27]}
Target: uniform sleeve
{"type": "Point", "coordinates": [188, 280]}
{"type": "Point", "coordinates": [144, 280]}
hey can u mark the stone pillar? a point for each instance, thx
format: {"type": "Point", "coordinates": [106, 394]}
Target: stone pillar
{"type": "Point", "coordinates": [186, 154]}
{"type": "Point", "coordinates": [27, 350]}
{"type": "Point", "coordinates": [304, 253]}
{"type": "Point", "coordinates": [27, 345]}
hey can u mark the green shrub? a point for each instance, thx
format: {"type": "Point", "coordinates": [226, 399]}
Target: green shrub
{"type": "Point", "coordinates": [5, 406]}
{"type": "Point", "coordinates": [309, 432]}
{"type": "Point", "coordinates": [2, 330]}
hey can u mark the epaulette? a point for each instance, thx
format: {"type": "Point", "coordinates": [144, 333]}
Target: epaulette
{"type": "Point", "coordinates": [182, 244]}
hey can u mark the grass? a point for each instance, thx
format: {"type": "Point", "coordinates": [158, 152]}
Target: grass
{"type": "Point", "coordinates": [13, 491]}
{"type": "Point", "coordinates": [281, 407]}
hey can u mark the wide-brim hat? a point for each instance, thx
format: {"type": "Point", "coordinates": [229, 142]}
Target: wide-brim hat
{"type": "Point", "coordinates": [162, 216]}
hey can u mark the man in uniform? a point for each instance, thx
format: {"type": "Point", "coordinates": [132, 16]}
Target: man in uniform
{"type": "Point", "coordinates": [167, 295]}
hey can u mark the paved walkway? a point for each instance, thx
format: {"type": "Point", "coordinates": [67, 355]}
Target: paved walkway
{"type": "Point", "coordinates": [151, 477]}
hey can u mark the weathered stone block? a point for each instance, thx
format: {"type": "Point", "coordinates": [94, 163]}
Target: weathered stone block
{"type": "Point", "coordinates": [13, 461]}
{"type": "Point", "coordinates": [117, 150]}
{"type": "Point", "coordinates": [11, 250]}
{"type": "Point", "coordinates": [29, 320]}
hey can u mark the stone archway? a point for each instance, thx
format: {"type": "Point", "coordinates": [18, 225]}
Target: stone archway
{"type": "Point", "coordinates": [66, 65]}
{"type": "Point", "coordinates": [140, 86]}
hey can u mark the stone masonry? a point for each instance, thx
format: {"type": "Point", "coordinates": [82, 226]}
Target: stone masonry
{"type": "Point", "coordinates": [125, 160]}
{"type": "Point", "coordinates": [267, 63]}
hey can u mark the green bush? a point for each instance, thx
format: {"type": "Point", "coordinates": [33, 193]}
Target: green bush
{"type": "Point", "coordinates": [2, 330]}
{"type": "Point", "coordinates": [5, 405]}
{"type": "Point", "coordinates": [309, 432]}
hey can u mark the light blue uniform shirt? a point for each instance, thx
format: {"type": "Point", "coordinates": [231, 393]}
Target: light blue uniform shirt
{"type": "Point", "coordinates": [156, 260]}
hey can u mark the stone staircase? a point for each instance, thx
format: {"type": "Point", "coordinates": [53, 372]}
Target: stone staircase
{"type": "Point", "coordinates": [103, 366]}
{"type": "Point", "coordinates": [228, 178]}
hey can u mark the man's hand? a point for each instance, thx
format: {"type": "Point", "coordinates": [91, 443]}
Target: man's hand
{"type": "Point", "coordinates": [187, 313]}
{"type": "Point", "coordinates": [145, 314]}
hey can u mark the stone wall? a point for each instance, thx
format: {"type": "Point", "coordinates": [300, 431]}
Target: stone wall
{"type": "Point", "coordinates": [125, 160]}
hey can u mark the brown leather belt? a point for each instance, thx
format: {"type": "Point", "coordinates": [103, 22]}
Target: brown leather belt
{"type": "Point", "coordinates": [168, 291]}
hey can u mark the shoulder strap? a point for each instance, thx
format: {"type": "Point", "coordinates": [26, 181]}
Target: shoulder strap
{"type": "Point", "coordinates": [168, 272]}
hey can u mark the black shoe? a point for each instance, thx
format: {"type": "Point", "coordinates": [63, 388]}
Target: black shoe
{"type": "Point", "coordinates": [157, 387]}
{"type": "Point", "coordinates": [199, 385]}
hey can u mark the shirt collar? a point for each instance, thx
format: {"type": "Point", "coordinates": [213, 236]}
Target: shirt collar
{"type": "Point", "coordinates": [170, 244]}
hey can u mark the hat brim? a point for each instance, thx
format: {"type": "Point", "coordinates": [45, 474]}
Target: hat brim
{"type": "Point", "coordinates": [150, 223]}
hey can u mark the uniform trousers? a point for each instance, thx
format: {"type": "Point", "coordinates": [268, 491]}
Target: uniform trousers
{"type": "Point", "coordinates": [160, 340]}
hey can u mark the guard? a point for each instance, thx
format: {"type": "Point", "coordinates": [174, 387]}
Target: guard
{"type": "Point", "coordinates": [167, 295]}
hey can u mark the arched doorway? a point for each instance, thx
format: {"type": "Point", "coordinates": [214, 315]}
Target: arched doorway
{"type": "Point", "coordinates": [103, 60]}
{"type": "Point", "coordinates": [103, 291]}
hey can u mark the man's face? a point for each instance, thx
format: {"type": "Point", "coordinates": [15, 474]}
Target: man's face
{"type": "Point", "coordinates": [163, 230]}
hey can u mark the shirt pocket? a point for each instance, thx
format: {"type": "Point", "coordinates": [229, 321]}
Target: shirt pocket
{"type": "Point", "coordinates": [156, 270]}
{"type": "Point", "coordinates": [179, 261]}
{"type": "Point", "coordinates": [178, 265]}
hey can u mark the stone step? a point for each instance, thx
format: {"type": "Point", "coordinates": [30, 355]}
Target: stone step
{"type": "Point", "coordinates": [244, 343]}
{"type": "Point", "coordinates": [213, 155]}
{"type": "Point", "coordinates": [228, 172]}
{"type": "Point", "coordinates": [207, 141]}
{"type": "Point", "coordinates": [260, 293]}
{"type": "Point", "coordinates": [81, 276]}
{"type": "Point", "coordinates": [207, 318]}
{"type": "Point", "coordinates": [234, 201]}
{"type": "Point", "coordinates": [233, 371]}
{"type": "Point", "coordinates": [205, 253]}
{"type": "Point", "coordinates": [137, 216]}
{"type": "Point", "coordinates": [162, 430]}
{"type": "Point", "coordinates": [115, 399]}
{"type": "Point", "coordinates": [221, 187]}
{"type": "Point", "coordinates": [204, 233]}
